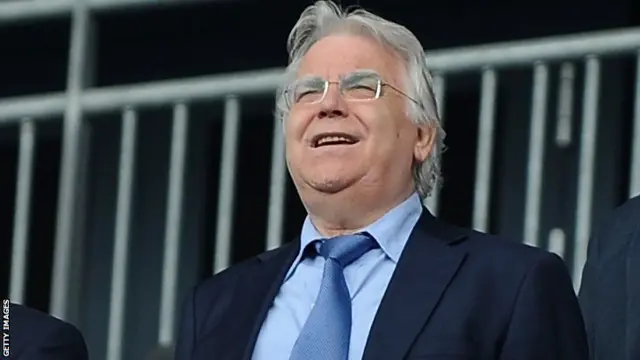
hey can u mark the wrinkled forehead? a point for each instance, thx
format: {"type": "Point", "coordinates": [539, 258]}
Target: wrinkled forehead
{"type": "Point", "coordinates": [337, 55]}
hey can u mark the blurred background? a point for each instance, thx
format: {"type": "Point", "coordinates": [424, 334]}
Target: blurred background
{"type": "Point", "coordinates": [137, 141]}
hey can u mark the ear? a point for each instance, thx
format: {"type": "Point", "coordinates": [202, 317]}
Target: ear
{"type": "Point", "coordinates": [424, 142]}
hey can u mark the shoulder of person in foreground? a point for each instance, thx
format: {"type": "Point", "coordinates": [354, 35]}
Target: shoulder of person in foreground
{"type": "Point", "coordinates": [608, 281]}
{"type": "Point", "coordinates": [211, 298]}
{"type": "Point", "coordinates": [622, 220]}
{"type": "Point", "coordinates": [629, 210]}
{"type": "Point", "coordinates": [36, 335]}
{"type": "Point", "coordinates": [609, 246]}
{"type": "Point", "coordinates": [546, 321]}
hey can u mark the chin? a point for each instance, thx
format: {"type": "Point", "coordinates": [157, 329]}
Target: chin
{"type": "Point", "coordinates": [330, 185]}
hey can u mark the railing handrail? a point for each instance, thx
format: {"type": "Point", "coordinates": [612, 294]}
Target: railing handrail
{"type": "Point", "coordinates": [19, 10]}
{"type": "Point", "coordinates": [444, 61]}
{"type": "Point", "coordinates": [545, 49]}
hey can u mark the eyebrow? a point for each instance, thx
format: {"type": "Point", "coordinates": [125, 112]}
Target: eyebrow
{"type": "Point", "coordinates": [364, 72]}
{"type": "Point", "coordinates": [308, 77]}
{"type": "Point", "coordinates": [359, 72]}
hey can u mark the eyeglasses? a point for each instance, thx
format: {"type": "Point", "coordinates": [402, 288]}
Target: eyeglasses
{"type": "Point", "coordinates": [362, 85]}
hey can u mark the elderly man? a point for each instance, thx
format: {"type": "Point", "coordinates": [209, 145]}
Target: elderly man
{"type": "Point", "coordinates": [373, 274]}
{"type": "Point", "coordinates": [610, 290]}
{"type": "Point", "coordinates": [35, 335]}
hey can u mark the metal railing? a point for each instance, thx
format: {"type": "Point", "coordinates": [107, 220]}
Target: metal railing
{"type": "Point", "coordinates": [16, 10]}
{"type": "Point", "coordinates": [79, 101]}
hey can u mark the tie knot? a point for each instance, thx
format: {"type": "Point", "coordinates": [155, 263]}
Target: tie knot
{"type": "Point", "coordinates": [346, 249]}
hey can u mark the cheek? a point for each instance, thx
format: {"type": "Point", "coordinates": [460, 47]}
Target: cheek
{"type": "Point", "coordinates": [393, 139]}
{"type": "Point", "coordinates": [385, 126]}
{"type": "Point", "coordinates": [296, 124]}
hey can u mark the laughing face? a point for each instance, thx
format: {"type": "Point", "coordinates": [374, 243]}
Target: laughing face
{"type": "Point", "coordinates": [347, 127]}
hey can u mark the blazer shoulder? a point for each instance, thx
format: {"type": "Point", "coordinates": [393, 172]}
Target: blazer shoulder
{"type": "Point", "coordinates": [38, 323]}
{"type": "Point", "coordinates": [504, 251]}
{"type": "Point", "coordinates": [34, 330]}
{"type": "Point", "coordinates": [626, 215]}
{"type": "Point", "coordinates": [486, 247]}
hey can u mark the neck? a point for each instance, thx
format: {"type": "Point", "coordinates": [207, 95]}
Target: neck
{"type": "Point", "coordinates": [338, 214]}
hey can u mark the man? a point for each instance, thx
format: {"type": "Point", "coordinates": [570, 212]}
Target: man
{"type": "Point", "coordinates": [38, 336]}
{"type": "Point", "coordinates": [363, 145]}
{"type": "Point", "coordinates": [610, 290]}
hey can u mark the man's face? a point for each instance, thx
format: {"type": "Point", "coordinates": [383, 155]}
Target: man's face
{"type": "Point", "coordinates": [343, 141]}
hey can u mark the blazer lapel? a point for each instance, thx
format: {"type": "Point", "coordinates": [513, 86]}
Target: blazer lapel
{"type": "Point", "coordinates": [235, 337]}
{"type": "Point", "coordinates": [426, 267]}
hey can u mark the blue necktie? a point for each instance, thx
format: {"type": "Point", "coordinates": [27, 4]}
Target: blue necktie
{"type": "Point", "coordinates": [326, 333]}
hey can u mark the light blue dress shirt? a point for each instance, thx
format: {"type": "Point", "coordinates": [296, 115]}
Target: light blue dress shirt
{"type": "Point", "coordinates": [367, 279]}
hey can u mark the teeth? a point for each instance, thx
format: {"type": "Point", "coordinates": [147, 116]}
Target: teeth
{"type": "Point", "coordinates": [330, 139]}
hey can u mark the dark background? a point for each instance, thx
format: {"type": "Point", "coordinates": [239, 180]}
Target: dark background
{"type": "Point", "coordinates": [232, 36]}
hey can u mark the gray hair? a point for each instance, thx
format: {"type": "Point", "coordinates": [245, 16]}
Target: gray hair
{"type": "Point", "coordinates": [325, 18]}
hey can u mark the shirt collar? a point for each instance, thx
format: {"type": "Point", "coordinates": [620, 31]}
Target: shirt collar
{"type": "Point", "coordinates": [391, 231]}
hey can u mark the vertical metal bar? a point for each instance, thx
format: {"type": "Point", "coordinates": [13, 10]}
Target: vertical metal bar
{"type": "Point", "coordinates": [484, 159]}
{"type": "Point", "coordinates": [226, 191]}
{"type": "Point", "coordinates": [63, 286]}
{"type": "Point", "coordinates": [536, 155]}
{"type": "Point", "coordinates": [21, 219]}
{"type": "Point", "coordinates": [586, 168]}
{"type": "Point", "coordinates": [277, 190]}
{"type": "Point", "coordinates": [565, 105]}
{"type": "Point", "coordinates": [120, 264]}
{"type": "Point", "coordinates": [439, 87]}
{"type": "Point", "coordinates": [634, 181]}
{"type": "Point", "coordinates": [173, 224]}
{"type": "Point", "coordinates": [557, 242]}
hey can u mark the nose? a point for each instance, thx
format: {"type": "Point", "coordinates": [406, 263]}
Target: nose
{"type": "Point", "coordinates": [333, 105]}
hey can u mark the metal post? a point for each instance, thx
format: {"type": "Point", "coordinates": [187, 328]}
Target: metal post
{"type": "Point", "coordinates": [120, 264]}
{"type": "Point", "coordinates": [564, 128]}
{"type": "Point", "coordinates": [21, 218]}
{"type": "Point", "coordinates": [557, 242]}
{"type": "Point", "coordinates": [173, 228]}
{"type": "Point", "coordinates": [535, 168]}
{"type": "Point", "coordinates": [277, 189]}
{"type": "Point", "coordinates": [226, 191]}
{"type": "Point", "coordinates": [586, 168]}
{"type": "Point", "coordinates": [63, 283]}
{"type": "Point", "coordinates": [484, 159]}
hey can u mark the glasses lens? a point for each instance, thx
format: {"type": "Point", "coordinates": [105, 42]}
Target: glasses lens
{"type": "Point", "coordinates": [361, 86]}
{"type": "Point", "coordinates": [308, 90]}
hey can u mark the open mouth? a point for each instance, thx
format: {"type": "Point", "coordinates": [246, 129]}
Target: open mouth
{"type": "Point", "coordinates": [328, 139]}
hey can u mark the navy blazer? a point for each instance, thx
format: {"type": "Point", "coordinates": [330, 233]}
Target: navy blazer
{"type": "Point", "coordinates": [35, 335]}
{"type": "Point", "coordinates": [455, 294]}
{"type": "Point", "coordinates": [610, 290]}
